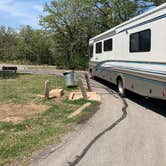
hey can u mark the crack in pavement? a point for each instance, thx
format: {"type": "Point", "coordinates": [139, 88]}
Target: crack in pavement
{"type": "Point", "coordinates": [87, 148]}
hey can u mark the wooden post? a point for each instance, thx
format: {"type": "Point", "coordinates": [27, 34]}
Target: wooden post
{"type": "Point", "coordinates": [83, 91]}
{"type": "Point", "coordinates": [46, 89]}
{"type": "Point", "coordinates": [88, 82]}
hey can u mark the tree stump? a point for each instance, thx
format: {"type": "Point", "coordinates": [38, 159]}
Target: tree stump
{"type": "Point", "coordinates": [83, 91]}
{"type": "Point", "coordinates": [46, 89]}
{"type": "Point", "coordinates": [88, 82]}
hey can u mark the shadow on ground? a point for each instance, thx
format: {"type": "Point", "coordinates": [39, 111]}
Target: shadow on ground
{"type": "Point", "coordinates": [155, 105]}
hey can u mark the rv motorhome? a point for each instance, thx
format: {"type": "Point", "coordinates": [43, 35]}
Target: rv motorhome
{"type": "Point", "coordinates": [133, 54]}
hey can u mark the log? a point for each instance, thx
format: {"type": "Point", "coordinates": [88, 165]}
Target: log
{"type": "Point", "coordinates": [83, 91]}
{"type": "Point", "coordinates": [88, 82]}
{"type": "Point", "coordinates": [46, 89]}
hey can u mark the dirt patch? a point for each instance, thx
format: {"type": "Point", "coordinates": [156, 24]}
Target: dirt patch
{"type": "Point", "coordinates": [16, 113]}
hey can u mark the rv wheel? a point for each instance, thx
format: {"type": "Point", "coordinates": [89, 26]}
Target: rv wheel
{"type": "Point", "coordinates": [121, 88]}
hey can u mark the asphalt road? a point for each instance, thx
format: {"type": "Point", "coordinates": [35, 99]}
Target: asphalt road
{"type": "Point", "coordinates": [124, 132]}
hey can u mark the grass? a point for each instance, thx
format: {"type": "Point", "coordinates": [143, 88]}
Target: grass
{"type": "Point", "coordinates": [19, 141]}
{"type": "Point", "coordinates": [23, 88]}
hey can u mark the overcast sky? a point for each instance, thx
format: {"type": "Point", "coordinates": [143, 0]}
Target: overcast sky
{"type": "Point", "coordinates": [14, 13]}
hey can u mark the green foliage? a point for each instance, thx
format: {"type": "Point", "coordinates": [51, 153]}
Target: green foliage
{"type": "Point", "coordinates": [8, 42]}
{"type": "Point", "coordinates": [155, 2]}
{"type": "Point", "coordinates": [34, 45]}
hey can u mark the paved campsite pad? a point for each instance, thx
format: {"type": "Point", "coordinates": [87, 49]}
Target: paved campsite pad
{"type": "Point", "coordinates": [16, 113]}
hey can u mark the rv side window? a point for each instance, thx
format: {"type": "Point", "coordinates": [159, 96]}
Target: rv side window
{"type": "Point", "coordinates": [140, 41]}
{"type": "Point", "coordinates": [99, 48]}
{"type": "Point", "coordinates": [108, 45]}
{"type": "Point", "coordinates": [91, 51]}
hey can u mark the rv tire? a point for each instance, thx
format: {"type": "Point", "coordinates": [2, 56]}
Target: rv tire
{"type": "Point", "coordinates": [121, 88]}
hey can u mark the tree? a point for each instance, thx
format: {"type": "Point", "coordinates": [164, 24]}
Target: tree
{"type": "Point", "coordinates": [8, 42]}
{"type": "Point", "coordinates": [69, 23]}
{"type": "Point", "coordinates": [155, 2]}
{"type": "Point", "coordinates": [144, 5]}
{"type": "Point", "coordinates": [115, 12]}
{"type": "Point", "coordinates": [34, 46]}
{"type": "Point", "coordinates": [74, 22]}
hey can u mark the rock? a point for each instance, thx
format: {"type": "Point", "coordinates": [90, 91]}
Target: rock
{"type": "Point", "coordinates": [56, 93]}
{"type": "Point", "coordinates": [91, 96]}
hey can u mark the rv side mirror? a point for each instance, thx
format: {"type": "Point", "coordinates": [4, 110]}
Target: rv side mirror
{"type": "Point", "coordinates": [87, 56]}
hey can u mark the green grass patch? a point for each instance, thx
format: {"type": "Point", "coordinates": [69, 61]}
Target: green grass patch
{"type": "Point", "coordinates": [19, 141]}
{"type": "Point", "coordinates": [24, 88]}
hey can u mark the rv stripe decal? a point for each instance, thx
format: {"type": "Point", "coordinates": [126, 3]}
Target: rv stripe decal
{"type": "Point", "coordinates": [146, 80]}
{"type": "Point", "coordinates": [139, 78]}
{"type": "Point", "coordinates": [134, 62]}
{"type": "Point", "coordinates": [145, 22]}
{"type": "Point", "coordinates": [139, 69]}
{"type": "Point", "coordinates": [100, 66]}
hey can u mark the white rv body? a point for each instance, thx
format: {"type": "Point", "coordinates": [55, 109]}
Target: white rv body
{"type": "Point", "coordinates": [137, 56]}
